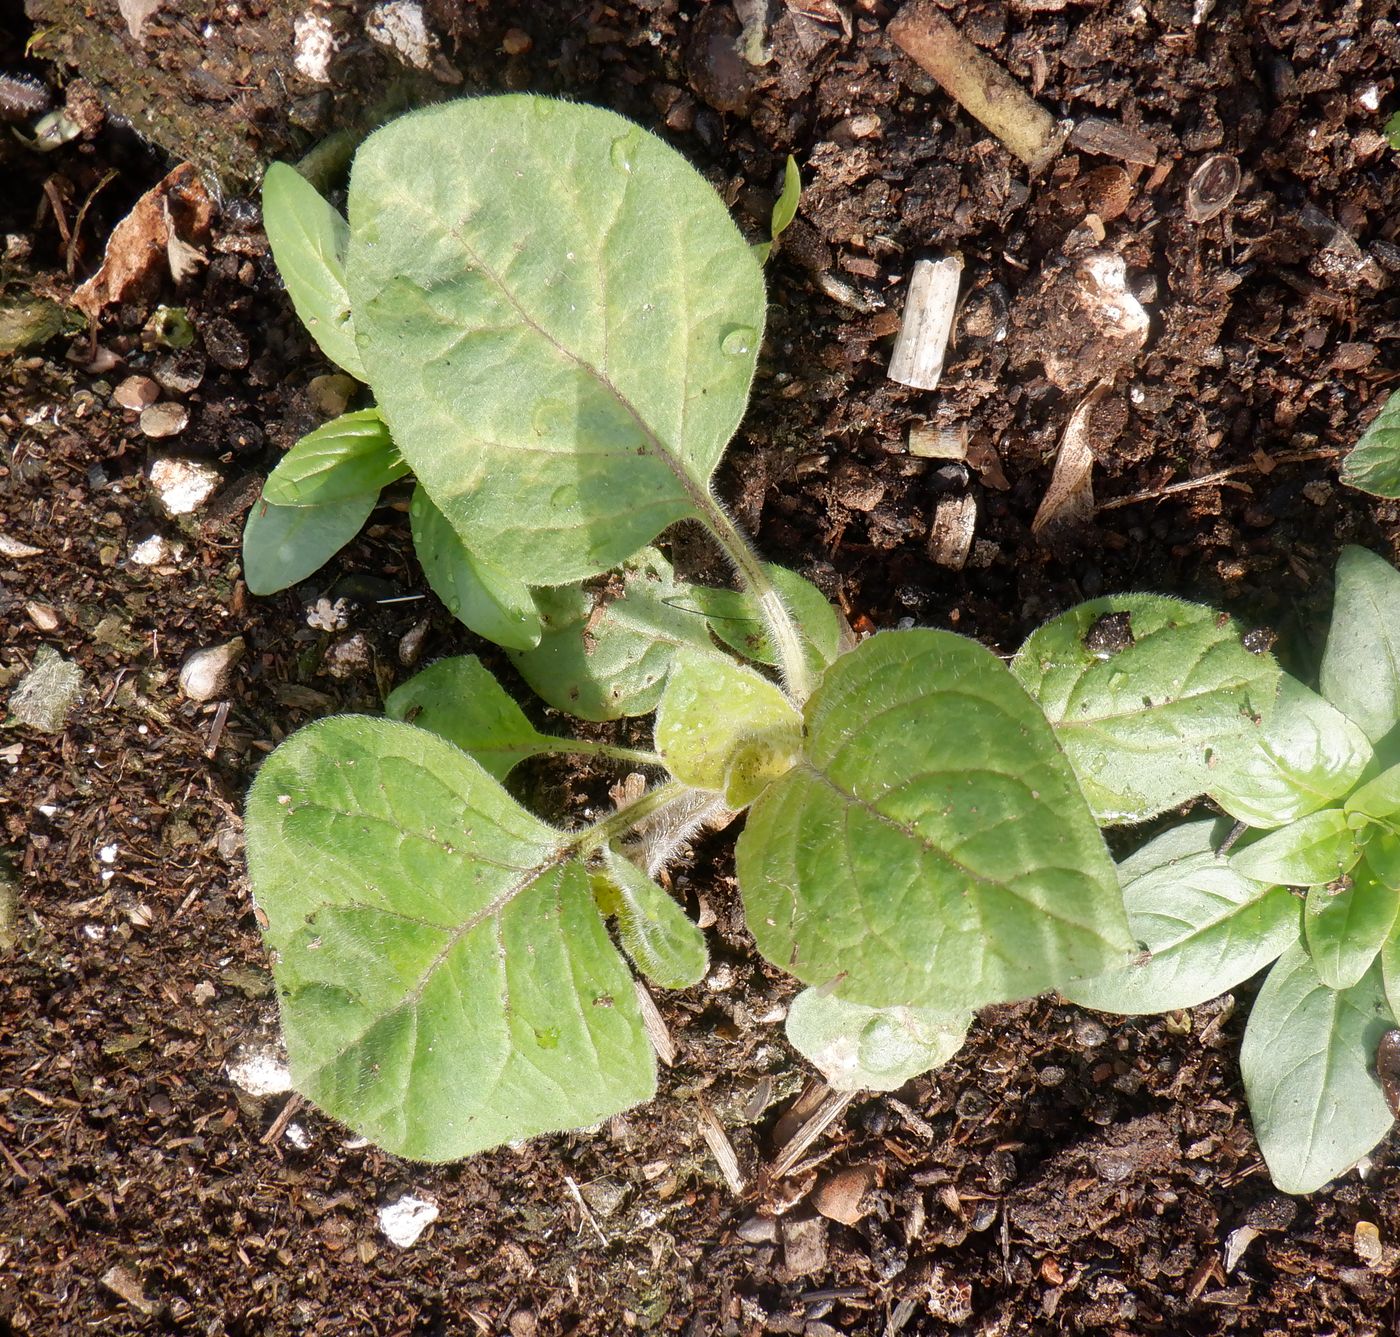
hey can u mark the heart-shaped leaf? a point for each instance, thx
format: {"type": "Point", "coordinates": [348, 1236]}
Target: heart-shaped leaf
{"type": "Point", "coordinates": [1360, 672]}
{"type": "Point", "coordinates": [494, 605]}
{"type": "Point", "coordinates": [1345, 927]}
{"type": "Point", "coordinates": [1315, 1103]}
{"type": "Point", "coordinates": [561, 358]}
{"type": "Point", "coordinates": [446, 981]}
{"type": "Point", "coordinates": [309, 240]}
{"type": "Point", "coordinates": [932, 848]}
{"type": "Point", "coordinates": [346, 457]}
{"type": "Point", "coordinates": [872, 1049]}
{"type": "Point", "coordinates": [285, 544]}
{"type": "Point", "coordinates": [1306, 754]}
{"type": "Point", "coordinates": [1373, 463]}
{"type": "Point", "coordinates": [1142, 718]}
{"type": "Point", "coordinates": [1204, 927]}
{"type": "Point", "coordinates": [1315, 849]}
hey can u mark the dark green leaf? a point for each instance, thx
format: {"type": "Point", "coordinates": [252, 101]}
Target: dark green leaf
{"type": "Point", "coordinates": [1373, 463]}
{"type": "Point", "coordinates": [285, 544]}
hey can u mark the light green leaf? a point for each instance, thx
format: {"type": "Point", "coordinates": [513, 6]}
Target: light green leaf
{"type": "Point", "coordinates": [735, 620]}
{"type": "Point", "coordinates": [785, 208]}
{"type": "Point", "coordinates": [1361, 664]}
{"type": "Point", "coordinates": [932, 849]}
{"type": "Point", "coordinates": [1305, 755]}
{"type": "Point", "coordinates": [346, 457]}
{"type": "Point", "coordinates": [285, 544]}
{"type": "Point", "coordinates": [1383, 855]}
{"type": "Point", "coordinates": [1142, 726]}
{"type": "Point", "coordinates": [1392, 130]}
{"type": "Point", "coordinates": [605, 652]}
{"type": "Point", "coordinates": [446, 981]}
{"type": "Point", "coordinates": [1390, 970]}
{"type": "Point", "coordinates": [309, 240]}
{"type": "Point", "coordinates": [1205, 928]}
{"type": "Point", "coordinates": [1306, 1060]}
{"type": "Point", "coordinates": [561, 322]}
{"type": "Point", "coordinates": [722, 727]}
{"type": "Point", "coordinates": [662, 941]}
{"type": "Point", "coordinates": [1314, 850]}
{"type": "Point", "coordinates": [495, 606]}
{"type": "Point", "coordinates": [1345, 929]}
{"type": "Point", "coordinates": [459, 700]}
{"type": "Point", "coordinates": [1373, 463]}
{"type": "Point", "coordinates": [1378, 799]}
{"type": "Point", "coordinates": [872, 1049]}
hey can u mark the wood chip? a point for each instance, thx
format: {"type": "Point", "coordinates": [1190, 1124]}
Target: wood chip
{"type": "Point", "coordinates": [125, 1284]}
{"type": "Point", "coordinates": [917, 359]}
{"type": "Point", "coordinates": [15, 550]}
{"type": "Point", "coordinates": [833, 1105]}
{"type": "Point", "coordinates": [938, 443]}
{"type": "Point", "coordinates": [1111, 139]}
{"type": "Point", "coordinates": [655, 1026]}
{"type": "Point", "coordinates": [721, 1148]}
{"type": "Point", "coordinates": [1069, 500]}
{"type": "Point", "coordinates": [950, 535]}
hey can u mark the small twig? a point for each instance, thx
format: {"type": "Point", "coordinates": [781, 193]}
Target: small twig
{"type": "Point", "coordinates": [655, 1026]}
{"type": "Point", "coordinates": [284, 1117]}
{"type": "Point", "coordinates": [831, 1108]}
{"type": "Point", "coordinates": [71, 254]}
{"type": "Point", "coordinates": [583, 1208]}
{"type": "Point", "coordinates": [216, 730]}
{"type": "Point", "coordinates": [720, 1148]}
{"type": "Point", "coordinates": [1219, 476]}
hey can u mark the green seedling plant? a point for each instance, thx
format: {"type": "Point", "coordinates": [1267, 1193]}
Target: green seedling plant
{"type": "Point", "coordinates": [1307, 882]}
{"type": "Point", "coordinates": [558, 324]}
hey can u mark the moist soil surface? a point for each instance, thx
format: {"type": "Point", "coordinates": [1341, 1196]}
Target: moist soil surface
{"type": "Point", "coordinates": [1066, 1172]}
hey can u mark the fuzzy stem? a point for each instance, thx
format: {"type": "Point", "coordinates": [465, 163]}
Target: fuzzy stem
{"type": "Point", "coordinates": [595, 837]}
{"type": "Point", "coordinates": [787, 640]}
{"type": "Point", "coordinates": [582, 747]}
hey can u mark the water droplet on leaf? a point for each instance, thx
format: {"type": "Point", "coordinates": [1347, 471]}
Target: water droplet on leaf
{"type": "Point", "coordinates": [739, 340]}
{"type": "Point", "coordinates": [622, 151]}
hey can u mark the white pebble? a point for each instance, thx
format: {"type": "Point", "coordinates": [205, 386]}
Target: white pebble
{"type": "Point", "coordinates": [404, 1219]}
{"type": "Point", "coordinates": [260, 1072]}
{"type": "Point", "coordinates": [183, 486]}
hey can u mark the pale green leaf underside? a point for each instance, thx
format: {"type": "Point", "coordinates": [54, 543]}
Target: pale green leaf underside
{"type": "Point", "coordinates": [932, 849]}
{"type": "Point", "coordinates": [1360, 672]}
{"type": "Point", "coordinates": [459, 700]}
{"type": "Point", "coordinates": [1307, 1065]}
{"type": "Point", "coordinates": [1141, 727]}
{"type": "Point", "coordinates": [871, 1049]}
{"type": "Point", "coordinates": [1344, 929]}
{"type": "Point", "coordinates": [605, 652]}
{"type": "Point", "coordinates": [285, 544]}
{"type": "Point", "coordinates": [1313, 850]}
{"type": "Point", "coordinates": [348, 456]}
{"type": "Point", "coordinates": [309, 239]}
{"type": "Point", "coordinates": [561, 323]}
{"type": "Point", "coordinates": [659, 937]}
{"type": "Point", "coordinates": [1373, 464]}
{"type": "Point", "coordinates": [496, 606]}
{"type": "Point", "coordinates": [1306, 754]}
{"type": "Point", "coordinates": [1205, 928]}
{"type": "Point", "coordinates": [446, 981]}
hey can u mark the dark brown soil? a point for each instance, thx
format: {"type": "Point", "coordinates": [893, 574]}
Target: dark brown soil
{"type": "Point", "coordinates": [1063, 1173]}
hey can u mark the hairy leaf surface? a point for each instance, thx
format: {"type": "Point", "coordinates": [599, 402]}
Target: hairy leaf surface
{"type": "Point", "coordinates": [932, 848]}
{"type": "Point", "coordinates": [1345, 927]}
{"type": "Point", "coordinates": [662, 941]}
{"type": "Point", "coordinates": [1142, 724]}
{"type": "Point", "coordinates": [1305, 755]}
{"type": "Point", "coordinates": [1360, 672]}
{"type": "Point", "coordinates": [346, 457]}
{"type": "Point", "coordinates": [285, 544]}
{"type": "Point", "coordinates": [446, 981]}
{"type": "Point", "coordinates": [1205, 927]}
{"type": "Point", "coordinates": [1306, 1060]}
{"type": "Point", "coordinates": [496, 606]}
{"type": "Point", "coordinates": [560, 320]}
{"type": "Point", "coordinates": [735, 620]}
{"type": "Point", "coordinates": [1373, 463]}
{"type": "Point", "coordinates": [872, 1049]}
{"type": "Point", "coordinates": [309, 240]}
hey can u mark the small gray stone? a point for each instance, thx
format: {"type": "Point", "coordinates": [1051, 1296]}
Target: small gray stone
{"type": "Point", "coordinates": [804, 1246]}
{"type": "Point", "coordinates": [1088, 1033]}
{"type": "Point", "coordinates": [161, 420]}
{"type": "Point", "coordinates": [47, 693]}
{"type": "Point", "coordinates": [758, 1230]}
{"type": "Point", "coordinates": [136, 393]}
{"type": "Point", "coordinates": [180, 372]}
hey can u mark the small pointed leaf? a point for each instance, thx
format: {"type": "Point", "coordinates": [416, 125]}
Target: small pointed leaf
{"type": "Point", "coordinates": [285, 544]}
{"type": "Point", "coordinates": [1313, 850]}
{"type": "Point", "coordinates": [1143, 724]}
{"type": "Point", "coordinates": [446, 981]}
{"type": "Point", "coordinates": [459, 700]}
{"type": "Point", "coordinates": [661, 940]}
{"type": "Point", "coordinates": [1305, 755]}
{"type": "Point", "coordinates": [494, 605]}
{"type": "Point", "coordinates": [1373, 463]}
{"type": "Point", "coordinates": [860, 1048]}
{"type": "Point", "coordinates": [1307, 1057]}
{"type": "Point", "coordinates": [1345, 928]}
{"type": "Point", "coordinates": [1360, 672]}
{"type": "Point", "coordinates": [932, 847]}
{"type": "Point", "coordinates": [309, 240]}
{"type": "Point", "coordinates": [346, 457]}
{"type": "Point", "coordinates": [562, 361]}
{"type": "Point", "coordinates": [1205, 928]}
